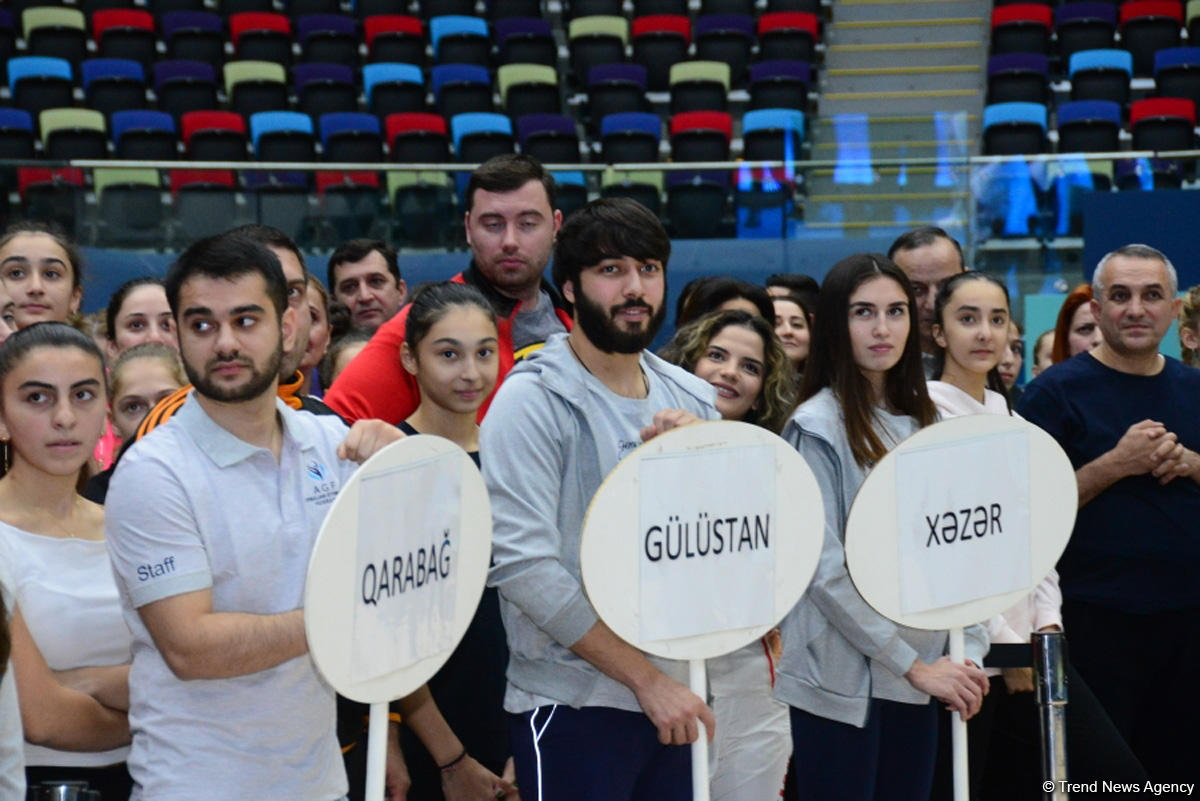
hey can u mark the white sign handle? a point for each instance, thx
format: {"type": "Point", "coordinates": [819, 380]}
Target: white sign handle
{"type": "Point", "coordinates": [958, 726]}
{"type": "Point", "coordinates": [698, 678]}
{"type": "Point", "coordinates": [376, 751]}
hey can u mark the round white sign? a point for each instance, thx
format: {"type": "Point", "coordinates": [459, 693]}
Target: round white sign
{"type": "Point", "coordinates": [702, 539]}
{"type": "Point", "coordinates": [960, 521]}
{"type": "Point", "coordinates": [398, 569]}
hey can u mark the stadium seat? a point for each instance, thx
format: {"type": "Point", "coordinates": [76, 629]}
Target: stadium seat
{"type": "Point", "coordinates": [55, 32]}
{"type": "Point", "coordinates": [354, 137]}
{"type": "Point", "coordinates": [1021, 28]}
{"type": "Point", "coordinates": [478, 136]}
{"type": "Point", "coordinates": [52, 194]}
{"type": "Point", "coordinates": [325, 88]}
{"type": "Point", "coordinates": [417, 138]}
{"type": "Point", "coordinates": [327, 39]}
{"type": "Point", "coordinates": [1018, 77]}
{"type": "Point", "coordinates": [259, 36]}
{"type": "Point", "coordinates": [660, 41]}
{"type": "Point", "coordinates": [525, 40]}
{"type": "Point", "coordinates": [283, 136]}
{"type": "Point", "coordinates": [696, 204]}
{"type": "Point", "coordinates": [194, 36]}
{"type": "Point", "coordinates": [742, 7]}
{"type": "Point", "coordinates": [16, 134]}
{"type": "Point", "coordinates": [1089, 126]}
{"type": "Point", "coordinates": [213, 135]}
{"type": "Point", "coordinates": [699, 86]}
{"type": "Point", "coordinates": [1192, 12]}
{"type": "Point", "coordinates": [73, 133]}
{"type": "Point", "coordinates": [573, 9]}
{"type": "Point", "coordinates": [772, 134]}
{"type": "Point", "coordinates": [204, 203]}
{"type": "Point", "coordinates": [37, 83]}
{"type": "Point", "coordinates": [596, 40]}
{"type": "Point", "coordinates": [393, 88]}
{"type": "Point", "coordinates": [423, 208]}
{"type": "Point", "coordinates": [394, 38]}
{"type": "Point", "coordinates": [351, 205]}
{"type": "Point", "coordinates": [788, 35]}
{"type": "Point", "coordinates": [144, 135]}
{"type": "Point", "coordinates": [1087, 25]}
{"type": "Point", "coordinates": [1011, 129]}
{"type": "Point", "coordinates": [113, 84]}
{"type": "Point", "coordinates": [549, 138]}
{"type": "Point", "coordinates": [461, 88]}
{"type": "Point", "coordinates": [528, 89]}
{"type": "Point", "coordinates": [701, 136]}
{"type": "Point", "coordinates": [614, 89]}
{"type": "Point", "coordinates": [1101, 75]}
{"type": "Point", "coordinates": [457, 8]}
{"type": "Point", "coordinates": [1163, 123]}
{"type": "Point", "coordinates": [780, 84]}
{"type": "Point", "coordinates": [254, 86]}
{"type": "Point", "coordinates": [281, 200]}
{"type": "Point", "coordinates": [460, 40]}
{"type": "Point", "coordinates": [806, 6]}
{"type": "Point", "coordinates": [646, 187]}
{"type": "Point", "coordinates": [1148, 26]}
{"type": "Point", "coordinates": [125, 33]}
{"type": "Point", "coordinates": [727, 38]}
{"type": "Point", "coordinates": [630, 137]}
{"type": "Point", "coordinates": [297, 9]}
{"type": "Point", "coordinates": [1177, 73]}
{"type": "Point", "coordinates": [130, 210]}
{"type": "Point", "coordinates": [8, 42]}
{"type": "Point", "coordinates": [510, 9]}
{"type": "Point", "coordinates": [645, 8]}
{"type": "Point", "coordinates": [570, 191]}
{"type": "Point", "coordinates": [183, 86]}
{"type": "Point", "coordinates": [160, 7]}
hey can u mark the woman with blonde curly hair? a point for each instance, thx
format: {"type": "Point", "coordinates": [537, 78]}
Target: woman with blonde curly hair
{"type": "Point", "coordinates": [740, 355]}
{"type": "Point", "coordinates": [1189, 327]}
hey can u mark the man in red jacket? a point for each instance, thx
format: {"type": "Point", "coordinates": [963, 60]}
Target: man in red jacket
{"type": "Point", "coordinates": [510, 223]}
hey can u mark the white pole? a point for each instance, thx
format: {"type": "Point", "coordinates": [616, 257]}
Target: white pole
{"type": "Point", "coordinates": [376, 751]}
{"type": "Point", "coordinates": [958, 726]}
{"type": "Point", "coordinates": [698, 678]}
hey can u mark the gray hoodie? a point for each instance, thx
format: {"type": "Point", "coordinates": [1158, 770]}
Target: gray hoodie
{"type": "Point", "coordinates": [838, 652]}
{"type": "Point", "coordinates": [542, 467]}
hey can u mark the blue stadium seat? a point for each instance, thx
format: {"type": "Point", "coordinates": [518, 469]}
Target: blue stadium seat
{"type": "Point", "coordinates": [282, 136]}
{"type": "Point", "coordinates": [147, 135]}
{"type": "Point", "coordinates": [630, 137]}
{"type": "Point", "coordinates": [480, 135]}
{"type": "Point", "coordinates": [1101, 75]}
{"type": "Point", "coordinates": [1014, 128]}
{"type": "Point", "coordinates": [351, 137]}
{"type": "Point", "coordinates": [393, 88]}
{"type": "Point", "coordinates": [460, 40]}
{"type": "Point", "coordinates": [37, 83]}
{"type": "Point", "coordinates": [113, 84]}
{"type": "Point", "coordinates": [772, 134]}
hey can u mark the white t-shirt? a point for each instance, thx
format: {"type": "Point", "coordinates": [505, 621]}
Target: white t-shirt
{"type": "Point", "coordinates": [193, 507]}
{"type": "Point", "coordinates": [65, 590]}
{"type": "Point", "coordinates": [12, 739]}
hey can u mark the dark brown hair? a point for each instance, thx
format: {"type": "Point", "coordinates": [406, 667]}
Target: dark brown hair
{"type": "Point", "coordinates": [508, 173]}
{"type": "Point", "coordinates": [831, 358]}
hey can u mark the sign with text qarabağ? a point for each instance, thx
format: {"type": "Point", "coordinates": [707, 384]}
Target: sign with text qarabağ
{"type": "Point", "coordinates": [407, 570]}
{"type": "Point", "coordinates": [965, 535]}
{"type": "Point", "coordinates": [707, 559]}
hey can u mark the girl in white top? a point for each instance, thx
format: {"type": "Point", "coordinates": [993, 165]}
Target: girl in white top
{"type": "Point", "coordinates": [70, 645]}
{"type": "Point", "coordinates": [739, 354]}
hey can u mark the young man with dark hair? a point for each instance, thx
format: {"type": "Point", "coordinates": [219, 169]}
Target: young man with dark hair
{"type": "Point", "coordinates": [928, 256]}
{"type": "Point", "coordinates": [364, 274]}
{"type": "Point", "coordinates": [210, 521]}
{"type": "Point", "coordinates": [591, 717]}
{"type": "Point", "coordinates": [780, 285]}
{"type": "Point", "coordinates": [510, 226]}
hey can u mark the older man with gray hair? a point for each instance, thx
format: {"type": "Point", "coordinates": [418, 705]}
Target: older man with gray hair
{"type": "Point", "coordinates": [1127, 417]}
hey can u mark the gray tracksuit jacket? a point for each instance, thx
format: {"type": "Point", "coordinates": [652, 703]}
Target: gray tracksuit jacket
{"type": "Point", "coordinates": [542, 467]}
{"type": "Point", "coordinates": [838, 652]}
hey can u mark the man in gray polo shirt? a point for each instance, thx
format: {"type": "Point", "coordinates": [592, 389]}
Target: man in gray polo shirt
{"type": "Point", "coordinates": [210, 521]}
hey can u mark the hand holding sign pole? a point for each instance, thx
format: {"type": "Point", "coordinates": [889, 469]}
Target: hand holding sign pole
{"type": "Point", "coordinates": [395, 576]}
{"type": "Point", "coordinates": [698, 543]}
{"type": "Point", "coordinates": [957, 524]}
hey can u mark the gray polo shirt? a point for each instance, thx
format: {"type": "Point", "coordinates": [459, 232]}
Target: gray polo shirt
{"type": "Point", "coordinates": [193, 507]}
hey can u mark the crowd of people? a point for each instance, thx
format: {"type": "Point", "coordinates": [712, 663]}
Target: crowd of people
{"type": "Point", "coordinates": [165, 477]}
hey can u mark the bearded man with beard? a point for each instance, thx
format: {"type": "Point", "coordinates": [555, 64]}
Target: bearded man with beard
{"type": "Point", "coordinates": [590, 716]}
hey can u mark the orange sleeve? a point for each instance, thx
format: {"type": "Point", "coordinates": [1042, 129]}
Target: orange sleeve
{"type": "Point", "coordinates": [374, 384]}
